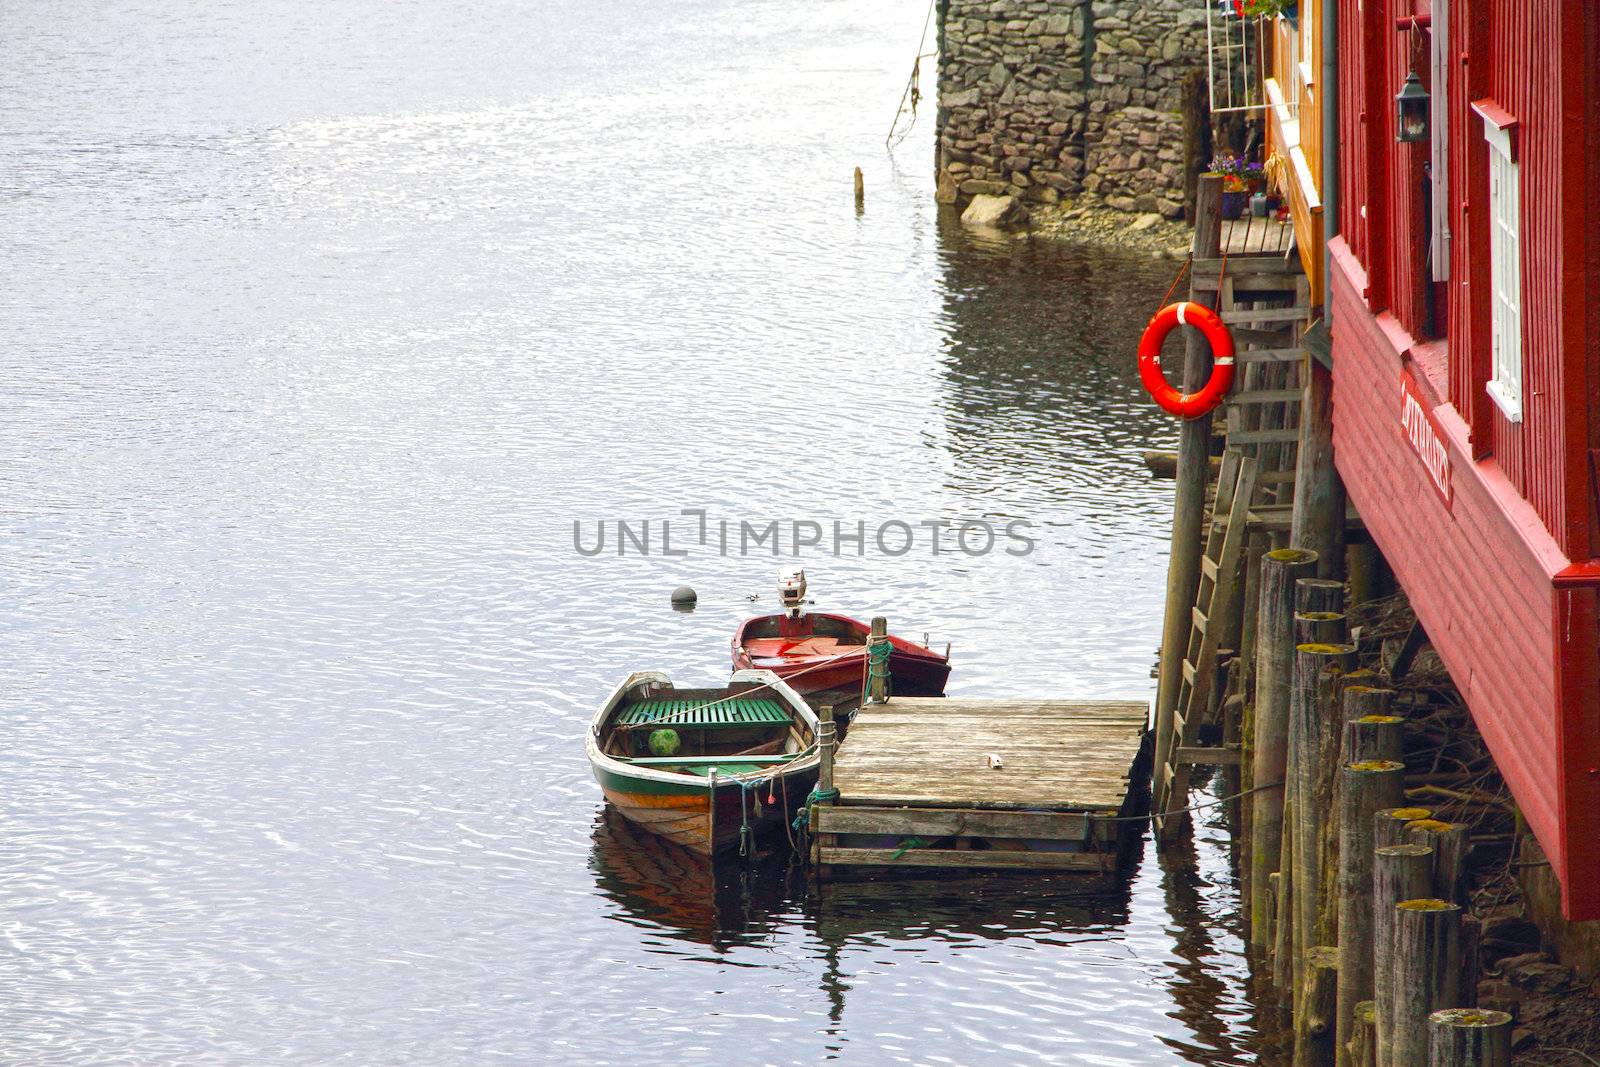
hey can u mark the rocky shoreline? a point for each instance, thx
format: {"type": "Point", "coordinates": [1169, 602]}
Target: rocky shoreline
{"type": "Point", "coordinates": [1085, 220]}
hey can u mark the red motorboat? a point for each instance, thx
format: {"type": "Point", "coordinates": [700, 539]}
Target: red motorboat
{"type": "Point", "coordinates": [818, 651]}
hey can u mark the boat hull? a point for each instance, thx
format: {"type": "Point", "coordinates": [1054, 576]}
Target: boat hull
{"type": "Point", "coordinates": [914, 671]}
{"type": "Point", "coordinates": [680, 812]}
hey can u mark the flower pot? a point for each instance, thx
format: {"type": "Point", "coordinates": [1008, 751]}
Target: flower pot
{"type": "Point", "coordinates": [1233, 204]}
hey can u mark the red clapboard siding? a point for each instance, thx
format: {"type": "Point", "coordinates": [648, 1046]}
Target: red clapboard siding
{"type": "Point", "coordinates": [1479, 574]}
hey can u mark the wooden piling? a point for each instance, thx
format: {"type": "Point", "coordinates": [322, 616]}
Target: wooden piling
{"type": "Point", "coordinates": [1399, 872]}
{"type": "Point", "coordinates": [1469, 1037]}
{"type": "Point", "coordinates": [1363, 1048]}
{"type": "Point", "coordinates": [1313, 762]}
{"type": "Point", "coordinates": [1389, 825]}
{"type": "Point", "coordinates": [1189, 493]}
{"type": "Point", "coordinates": [1318, 594]}
{"type": "Point", "coordinates": [1317, 521]}
{"type": "Point", "coordinates": [1370, 737]}
{"type": "Point", "coordinates": [861, 192]}
{"type": "Point", "coordinates": [827, 743]}
{"type": "Point", "coordinates": [1280, 571]}
{"type": "Point", "coordinates": [1449, 842]}
{"type": "Point", "coordinates": [1283, 921]}
{"type": "Point", "coordinates": [1427, 961]}
{"type": "Point", "coordinates": [1366, 787]}
{"type": "Point", "coordinates": [1314, 1031]}
{"type": "Point", "coordinates": [877, 671]}
{"type": "Point", "coordinates": [1318, 627]}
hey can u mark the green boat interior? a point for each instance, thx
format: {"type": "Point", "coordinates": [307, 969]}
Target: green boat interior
{"type": "Point", "coordinates": [695, 731]}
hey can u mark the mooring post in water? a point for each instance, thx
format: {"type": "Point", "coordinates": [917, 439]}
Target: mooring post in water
{"type": "Point", "coordinates": [1427, 959]}
{"type": "Point", "coordinates": [1366, 787]}
{"type": "Point", "coordinates": [1275, 644]}
{"type": "Point", "coordinates": [878, 650]}
{"type": "Point", "coordinates": [1399, 872]}
{"type": "Point", "coordinates": [1283, 919]}
{"type": "Point", "coordinates": [1189, 491]}
{"type": "Point", "coordinates": [1314, 1040]}
{"type": "Point", "coordinates": [825, 745]}
{"type": "Point", "coordinates": [1313, 762]}
{"type": "Point", "coordinates": [861, 192]}
{"type": "Point", "coordinates": [1469, 1037]}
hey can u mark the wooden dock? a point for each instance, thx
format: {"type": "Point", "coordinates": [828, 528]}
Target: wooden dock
{"type": "Point", "coordinates": [919, 789]}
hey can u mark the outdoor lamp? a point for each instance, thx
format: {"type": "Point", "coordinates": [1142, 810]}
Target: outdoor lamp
{"type": "Point", "coordinates": [1411, 111]}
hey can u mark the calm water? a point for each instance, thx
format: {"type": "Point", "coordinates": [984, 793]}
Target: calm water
{"type": "Point", "coordinates": [324, 324]}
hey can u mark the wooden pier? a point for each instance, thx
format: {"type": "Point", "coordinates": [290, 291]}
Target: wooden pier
{"type": "Point", "coordinates": [948, 782]}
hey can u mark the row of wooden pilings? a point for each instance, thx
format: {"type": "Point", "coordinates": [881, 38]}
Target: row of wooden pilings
{"type": "Point", "coordinates": [1355, 899]}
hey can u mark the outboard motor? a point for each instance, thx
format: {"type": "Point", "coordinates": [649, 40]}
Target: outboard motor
{"type": "Point", "coordinates": [792, 592]}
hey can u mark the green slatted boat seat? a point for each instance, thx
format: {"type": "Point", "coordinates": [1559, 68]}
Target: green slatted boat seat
{"type": "Point", "coordinates": [706, 715]}
{"type": "Point", "coordinates": [720, 761]}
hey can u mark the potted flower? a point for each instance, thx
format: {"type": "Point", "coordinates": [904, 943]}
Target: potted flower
{"type": "Point", "coordinates": [1265, 9]}
{"type": "Point", "coordinates": [1236, 176]}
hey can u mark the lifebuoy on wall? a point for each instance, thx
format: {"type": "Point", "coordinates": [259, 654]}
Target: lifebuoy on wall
{"type": "Point", "coordinates": [1202, 318]}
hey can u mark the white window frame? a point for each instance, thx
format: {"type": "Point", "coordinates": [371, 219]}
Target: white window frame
{"type": "Point", "coordinates": [1505, 272]}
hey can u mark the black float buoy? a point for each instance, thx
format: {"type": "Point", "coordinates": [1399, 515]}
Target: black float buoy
{"type": "Point", "coordinates": [683, 596]}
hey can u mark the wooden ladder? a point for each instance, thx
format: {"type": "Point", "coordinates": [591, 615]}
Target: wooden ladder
{"type": "Point", "coordinates": [1216, 598]}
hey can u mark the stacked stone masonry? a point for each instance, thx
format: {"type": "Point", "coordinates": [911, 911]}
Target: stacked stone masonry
{"type": "Point", "coordinates": [1045, 100]}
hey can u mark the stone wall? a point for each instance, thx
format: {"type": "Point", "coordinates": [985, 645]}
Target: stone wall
{"type": "Point", "coordinates": [1044, 99]}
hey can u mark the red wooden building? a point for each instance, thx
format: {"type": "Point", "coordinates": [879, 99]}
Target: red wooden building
{"type": "Point", "coordinates": [1463, 296]}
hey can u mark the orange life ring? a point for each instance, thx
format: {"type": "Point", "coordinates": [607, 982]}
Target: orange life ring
{"type": "Point", "coordinates": [1202, 318]}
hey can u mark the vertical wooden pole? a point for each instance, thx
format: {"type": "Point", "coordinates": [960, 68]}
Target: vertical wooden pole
{"type": "Point", "coordinates": [877, 672]}
{"type": "Point", "coordinates": [1361, 558]}
{"type": "Point", "coordinates": [1318, 627]}
{"type": "Point", "coordinates": [1363, 1048]}
{"type": "Point", "coordinates": [1372, 737]}
{"type": "Point", "coordinates": [711, 815]}
{"type": "Point", "coordinates": [1283, 921]}
{"type": "Point", "coordinates": [1399, 872]}
{"type": "Point", "coordinates": [1366, 788]}
{"type": "Point", "coordinates": [1318, 594]}
{"type": "Point", "coordinates": [1275, 644]}
{"type": "Point", "coordinates": [1449, 843]}
{"type": "Point", "coordinates": [825, 748]}
{"type": "Point", "coordinates": [1469, 1037]}
{"type": "Point", "coordinates": [1314, 1045]}
{"type": "Point", "coordinates": [861, 192]}
{"type": "Point", "coordinates": [1427, 959]}
{"type": "Point", "coordinates": [1313, 735]}
{"type": "Point", "coordinates": [1317, 521]}
{"type": "Point", "coordinates": [1391, 825]}
{"type": "Point", "coordinates": [1189, 496]}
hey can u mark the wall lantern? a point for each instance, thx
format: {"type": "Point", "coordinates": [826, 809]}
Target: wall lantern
{"type": "Point", "coordinates": [1411, 111]}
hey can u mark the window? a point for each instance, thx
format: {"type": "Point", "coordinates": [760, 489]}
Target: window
{"type": "Point", "coordinates": [1505, 272]}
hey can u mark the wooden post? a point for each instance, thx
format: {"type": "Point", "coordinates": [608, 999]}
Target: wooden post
{"type": "Point", "coordinates": [825, 748]}
{"type": "Point", "coordinates": [1361, 558]}
{"type": "Point", "coordinates": [1469, 1037]}
{"type": "Point", "coordinates": [861, 192]}
{"type": "Point", "coordinates": [1449, 843]}
{"type": "Point", "coordinates": [1427, 960]}
{"type": "Point", "coordinates": [1378, 735]}
{"type": "Point", "coordinates": [711, 816]}
{"type": "Point", "coordinates": [1363, 1048]}
{"type": "Point", "coordinates": [1313, 762]}
{"type": "Point", "coordinates": [1255, 548]}
{"type": "Point", "coordinates": [1318, 627]}
{"type": "Point", "coordinates": [877, 673]}
{"type": "Point", "coordinates": [1283, 921]}
{"type": "Point", "coordinates": [1318, 594]}
{"type": "Point", "coordinates": [1189, 495]}
{"type": "Point", "coordinates": [1315, 1035]}
{"type": "Point", "coordinates": [1317, 521]}
{"type": "Point", "coordinates": [1366, 788]}
{"type": "Point", "coordinates": [1389, 826]}
{"type": "Point", "coordinates": [1275, 646]}
{"type": "Point", "coordinates": [1399, 872]}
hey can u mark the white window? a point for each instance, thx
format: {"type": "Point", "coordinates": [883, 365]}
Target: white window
{"type": "Point", "coordinates": [1505, 274]}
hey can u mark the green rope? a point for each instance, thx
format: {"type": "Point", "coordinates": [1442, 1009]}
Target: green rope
{"type": "Point", "coordinates": [818, 795]}
{"type": "Point", "coordinates": [911, 843]}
